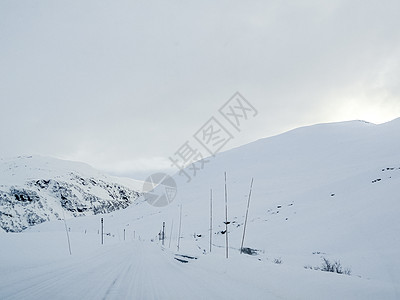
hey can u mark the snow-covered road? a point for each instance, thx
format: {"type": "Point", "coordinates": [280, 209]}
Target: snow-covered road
{"type": "Point", "coordinates": [37, 266]}
{"type": "Point", "coordinates": [136, 270]}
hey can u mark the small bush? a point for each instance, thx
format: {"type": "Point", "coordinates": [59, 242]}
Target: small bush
{"type": "Point", "coordinates": [335, 267]}
{"type": "Point", "coordinates": [249, 251]}
{"type": "Point", "coordinates": [278, 260]}
{"type": "Point", "coordinates": [308, 267]}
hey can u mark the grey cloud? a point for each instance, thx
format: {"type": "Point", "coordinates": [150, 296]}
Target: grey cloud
{"type": "Point", "coordinates": [122, 84]}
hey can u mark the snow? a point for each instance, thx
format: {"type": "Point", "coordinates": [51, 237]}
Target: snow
{"type": "Point", "coordinates": [24, 168]}
{"type": "Point", "coordinates": [143, 270]}
{"type": "Point", "coordinates": [316, 194]}
{"type": "Point", "coordinates": [39, 189]}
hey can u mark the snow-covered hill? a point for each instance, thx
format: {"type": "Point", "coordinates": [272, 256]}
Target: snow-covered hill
{"type": "Point", "coordinates": [324, 191]}
{"type": "Point", "coordinates": [328, 190]}
{"type": "Point", "coordinates": [38, 189]}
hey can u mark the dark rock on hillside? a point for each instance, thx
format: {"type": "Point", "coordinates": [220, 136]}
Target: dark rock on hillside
{"type": "Point", "coordinates": [42, 200]}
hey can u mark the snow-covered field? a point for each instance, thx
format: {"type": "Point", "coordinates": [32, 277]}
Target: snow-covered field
{"type": "Point", "coordinates": [326, 191]}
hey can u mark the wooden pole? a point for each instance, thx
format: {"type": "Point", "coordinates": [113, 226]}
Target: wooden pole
{"type": "Point", "coordinates": [163, 233]}
{"type": "Point", "coordinates": [170, 235]}
{"type": "Point", "coordinates": [66, 230]}
{"type": "Point", "coordinates": [226, 218]}
{"type": "Point", "coordinates": [210, 219]}
{"type": "Point", "coordinates": [247, 212]}
{"type": "Point", "coordinates": [180, 226]}
{"type": "Point", "coordinates": [102, 231]}
{"type": "Point", "coordinates": [124, 234]}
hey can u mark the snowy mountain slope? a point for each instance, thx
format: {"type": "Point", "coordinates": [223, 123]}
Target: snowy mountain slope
{"type": "Point", "coordinates": [324, 191]}
{"type": "Point", "coordinates": [38, 189]}
{"type": "Point", "coordinates": [329, 190]}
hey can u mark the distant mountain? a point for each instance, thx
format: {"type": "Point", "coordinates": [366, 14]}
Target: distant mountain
{"type": "Point", "coordinates": [38, 189]}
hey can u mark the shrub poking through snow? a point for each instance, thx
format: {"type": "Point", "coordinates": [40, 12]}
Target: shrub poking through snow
{"type": "Point", "coordinates": [335, 267]}
{"type": "Point", "coordinates": [278, 260]}
{"type": "Point", "coordinates": [249, 251]}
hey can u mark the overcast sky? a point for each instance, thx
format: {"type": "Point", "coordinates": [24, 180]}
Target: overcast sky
{"type": "Point", "coordinates": [121, 85]}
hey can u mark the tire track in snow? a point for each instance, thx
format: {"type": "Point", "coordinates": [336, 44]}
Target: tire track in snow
{"type": "Point", "coordinates": [136, 270]}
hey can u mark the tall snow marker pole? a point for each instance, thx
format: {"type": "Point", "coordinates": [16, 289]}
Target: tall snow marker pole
{"type": "Point", "coordinates": [124, 234]}
{"type": "Point", "coordinates": [66, 230]}
{"type": "Point", "coordinates": [180, 226]}
{"type": "Point", "coordinates": [210, 218]}
{"type": "Point", "coordinates": [102, 231]}
{"type": "Point", "coordinates": [163, 232]}
{"type": "Point", "coordinates": [226, 218]}
{"type": "Point", "coordinates": [170, 235]}
{"type": "Point", "coordinates": [247, 212]}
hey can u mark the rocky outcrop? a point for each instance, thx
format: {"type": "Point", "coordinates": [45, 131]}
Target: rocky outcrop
{"type": "Point", "coordinates": [42, 200]}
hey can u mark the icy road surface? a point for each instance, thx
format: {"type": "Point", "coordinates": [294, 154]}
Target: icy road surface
{"type": "Point", "coordinates": [134, 270]}
{"type": "Point", "coordinates": [145, 270]}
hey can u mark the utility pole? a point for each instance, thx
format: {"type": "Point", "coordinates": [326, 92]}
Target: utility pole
{"type": "Point", "coordinates": [102, 231]}
{"type": "Point", "coordinates": [226, 218]}
{"type": "Point", "coordinates": [247, 212]}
